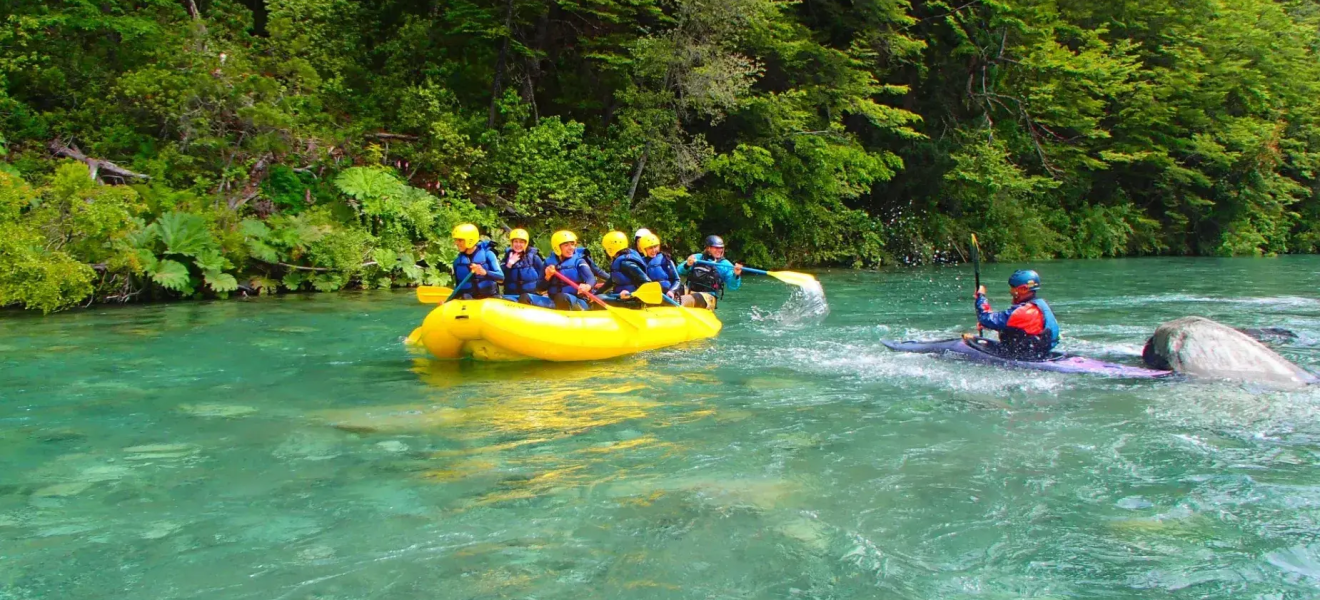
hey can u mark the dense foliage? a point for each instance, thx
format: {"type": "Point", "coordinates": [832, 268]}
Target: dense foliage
{"type": "Point", "coordinates": [167, 148]}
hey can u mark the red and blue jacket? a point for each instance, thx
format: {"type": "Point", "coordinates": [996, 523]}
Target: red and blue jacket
{"type": "Point", "coordinates": [1027, 328]}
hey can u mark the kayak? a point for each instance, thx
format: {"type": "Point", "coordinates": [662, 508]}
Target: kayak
{"type": "Point", "coordinates": [976, 350]}
{"type": "Point", "coordinates": [495, 329]}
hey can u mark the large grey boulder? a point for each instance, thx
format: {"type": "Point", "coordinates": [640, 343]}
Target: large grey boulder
{"type": "Point", "coordinates": [1199, 347]}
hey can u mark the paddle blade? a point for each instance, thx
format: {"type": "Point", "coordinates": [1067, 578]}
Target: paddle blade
{"type": "Point", "coordinates": [633, 318]}
{"type": "Point", "coordinates": [650, 293]}
{"type": "Point", "coordinates": [792, 278]}
{"type": "Point", "coordinates": [430, 294]}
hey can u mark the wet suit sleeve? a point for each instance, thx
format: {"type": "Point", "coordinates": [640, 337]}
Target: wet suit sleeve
{"type": "Point", "coordinates": [543, 284]}
{"type": "Point", "coordinates": [997, 321]}
{"type": "Point", "coordinates": [635, 271]}
{"type": "Point", "coordinates": [585, 273]}
{"type": "Point", "coordinates": [493, 270]}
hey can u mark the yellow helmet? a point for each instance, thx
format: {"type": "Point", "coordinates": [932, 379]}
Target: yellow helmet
{"type": "Point", "coordinates": [559, 238]}
{"type": "Point", "coordinates": [519, 234]}
{"type": "Point", "coordinates": [648, 240]}
{"type": "Point", "coordinates": [468, 233]}
{"type": "Point", "coordinates": [614, 242]}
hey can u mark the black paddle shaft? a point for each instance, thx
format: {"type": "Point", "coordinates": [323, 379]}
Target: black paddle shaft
{"type": "Point", "coordinates": [976, 261]}
{"type": "Point", "coordinates": [976, 271]}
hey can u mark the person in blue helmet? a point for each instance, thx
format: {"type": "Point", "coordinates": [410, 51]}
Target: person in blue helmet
{"type": "Point", "coordinates": [475, 258]}
{"type": "Point", "coordinates": [627, 269]}
{"type": "Point", "coordinates": [707, 283]}
{"type": "Point", "coordinates": [571, 262]}
{"type": "Point", "coordinates": [523, 270]}
{"type": "Point", "coordinates": [1028, 329]}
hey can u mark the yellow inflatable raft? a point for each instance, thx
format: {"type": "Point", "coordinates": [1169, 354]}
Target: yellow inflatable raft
{"type": "Point", "coordinates": [495, 329]}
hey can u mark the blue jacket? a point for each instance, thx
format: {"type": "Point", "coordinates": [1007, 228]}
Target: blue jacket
{"type": "Point", "coordinates": [480, 286]}
{"type": "Point", "coordinates": [628, 271]}
{"type": "Point", "coordinates": [526, 274]}
{"type": "Point", "coordinates": [661, 268]}
{"type": "Point", "coordinates": [727, 278]}
{"type": "Point", "coordinates": [576, 268]}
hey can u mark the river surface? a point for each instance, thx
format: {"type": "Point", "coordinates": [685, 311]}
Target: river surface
{"type": "Point", "coordinates": [291, 447]}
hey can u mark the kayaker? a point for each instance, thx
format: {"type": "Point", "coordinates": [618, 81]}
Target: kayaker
{"type": "Point", "coordinates": [475, 257]}
{"type": "Point", "coordinates": [627, 269]}
{"type": "Point", "coordinates": [523, 270]}
{"type": "Point", "coordinates": [659, 267]}
{"type": "Point", "coordinates": [572, 263]}
{"type": "Point", "coordinates": [705, 283]}
{"type": "Point", "coordinates": [1027, 330]}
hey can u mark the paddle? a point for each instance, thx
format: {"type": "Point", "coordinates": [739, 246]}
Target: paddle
{"type": "Point", "coordinates": [430, 294]}
{"type": "Point", "coordinates": [650, 293]}
{"type": "Point", "coordinates": [628, 316]}
{"type": "Point", "coordinates": [789, 277]}
{"type": "Point", "coordinates": [976, 270]}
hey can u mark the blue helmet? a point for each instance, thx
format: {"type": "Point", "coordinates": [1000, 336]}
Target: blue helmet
{"type": "Point", "coordinates": [1026, 277]}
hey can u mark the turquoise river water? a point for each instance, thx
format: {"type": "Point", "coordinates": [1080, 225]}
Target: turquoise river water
{"type": "Point", "coordinates": [292, 448]}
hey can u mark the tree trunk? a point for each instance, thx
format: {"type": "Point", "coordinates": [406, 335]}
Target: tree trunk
{"type": "Point", "coordinates": [637, 174]}
{"type": "Point", "coordinates": [498, 83]}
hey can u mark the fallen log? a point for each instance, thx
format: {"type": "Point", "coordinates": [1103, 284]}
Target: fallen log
{"type": "Point", "coordinates": [96, 167]}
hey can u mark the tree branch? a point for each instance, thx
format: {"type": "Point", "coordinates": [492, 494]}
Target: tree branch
{"type": "Point", "coordinates": [405, 137]}
{"type": "Point", "coordinates": [96, 167]}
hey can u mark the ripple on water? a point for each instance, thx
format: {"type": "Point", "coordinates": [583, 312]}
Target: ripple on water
{"type": "Point", "coordinates": [784, 459]}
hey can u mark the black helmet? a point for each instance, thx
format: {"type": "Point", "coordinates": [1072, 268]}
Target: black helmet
{"type": "Point", "coordinates": [714, 241]}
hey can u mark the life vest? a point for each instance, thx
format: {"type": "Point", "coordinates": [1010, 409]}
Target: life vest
{"type": "Point", "coordinates": [524, 275]}
{"type": "Point", "coordinates": [623, 282]}
{"type": "Point", "coordinates": [706, 278]}
{"type": "Point", "coordinates": [1051, 324]}
{"type": "Point", "coordinates": [575, 267]}
{"type": "Point", "coordinates": [479, 287]}
{"type": "Point", "coordinates": [661, 268]}
{"type": "Point", "coordinates": [1028, 337]}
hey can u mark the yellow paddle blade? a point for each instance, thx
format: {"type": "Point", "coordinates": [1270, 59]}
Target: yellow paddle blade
{"type": "Point", "coordinates": [793, 278]}
{"type": "Point", "coordinates": [414, 338]}
{"type": "Point", "coordinates": [634, 318]}
{"type": "Point", "coordinates": [430, 294]}
{"type": "Point", "coordinates": [650, 293]}
{"type": "Point", "coordinates": [692, 318]}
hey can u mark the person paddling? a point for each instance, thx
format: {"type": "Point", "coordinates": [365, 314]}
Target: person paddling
{"type": "Point", "coordinates": [475, 258]}
{"type": "Point", "coordinates": [706, 283]}
{"type": "Point", "coordinates": [523, 270]}
{"type": "Point", "coordinates": [627, 269]}
{"type": "Point", "coordinates": [572, 263]}
{"type": "Point", "coordinates": [659, 267]}
{"type": "Point", "coordinates": [1028, 329]}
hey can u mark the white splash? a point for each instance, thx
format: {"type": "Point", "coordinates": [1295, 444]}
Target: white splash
{"type": "Point", "coordinates": [806, 306]}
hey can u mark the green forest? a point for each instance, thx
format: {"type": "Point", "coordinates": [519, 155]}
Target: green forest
{"type": "Point", "coordinates": [159, 149]}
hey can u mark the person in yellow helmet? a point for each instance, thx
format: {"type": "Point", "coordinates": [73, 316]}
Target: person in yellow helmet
{"type": "Point", "coordinates": [523, 269]}
{"type": "Point", "coordinates": [627, 270]}
{"type": "Point", "coordinates": [571, 262]}
{"type": "Point", "coordinates": [659, 266]}
{"type": "Point", "coordinates": [475, 259]}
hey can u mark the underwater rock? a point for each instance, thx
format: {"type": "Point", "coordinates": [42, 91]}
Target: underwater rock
{"type": "Point", "coordinates": [62, 490]}
{"type": "Point", "coordinates": [1199, 347]}
{"type": "Point", "coordinates": [217, 410]}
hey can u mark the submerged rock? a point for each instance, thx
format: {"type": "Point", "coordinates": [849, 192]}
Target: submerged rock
{"type": "Point", "coordinates": [1200, 347]}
